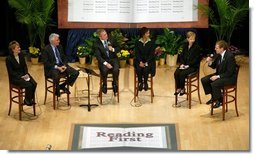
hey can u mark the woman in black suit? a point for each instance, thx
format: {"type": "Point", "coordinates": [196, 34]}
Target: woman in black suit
{"type": "Point", "coordinates": [189, 62]}
{"type": "Point", "coordinates": [18, 72]}
{"type": "Point", "coordinates": [145, 58]}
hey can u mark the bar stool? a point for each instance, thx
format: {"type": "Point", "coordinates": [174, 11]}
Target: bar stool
{"type": "Point", "coordinates": [191, 81]}
{"type": "Point", "coordinates": [150, 80]}
{"type": "Point", "coordinates": [109, 80]}
{"type": "Point", "coordinates": [52, 89]}
{"type": "Point", "coordinates": [227, 94]}
{"type": "Point", "coordinates": [17, 96]}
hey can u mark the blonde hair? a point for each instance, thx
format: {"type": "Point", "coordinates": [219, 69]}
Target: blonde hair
{"type": "Point", "coordinates": [13, 45]}
{"type": "Point", "coordinates": [190, 34]}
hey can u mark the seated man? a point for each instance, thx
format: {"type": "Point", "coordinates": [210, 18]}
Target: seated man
{"type": "Point", "coordinates": [225, 73]}
{"type": "Point", "coordinates": [107, 59]}
{"type": "Point", "coordinates": [55, 64]}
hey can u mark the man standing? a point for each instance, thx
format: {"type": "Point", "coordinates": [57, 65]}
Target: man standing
{"type": "Point", "coordinates": [55, 64]}
{"type": "Point", "coordinates": [107, 59]}
{"type": "Point", "coordinates": [225, 74]}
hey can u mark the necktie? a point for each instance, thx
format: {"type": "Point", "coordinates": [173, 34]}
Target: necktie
{"type": "Point", "coordinates": [58, 55]}
{"type": "Point", "coordinates": [106, 47]}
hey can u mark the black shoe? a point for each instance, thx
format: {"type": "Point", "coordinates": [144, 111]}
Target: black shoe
{"type": "Point", "coordinates": [104, 89]}
{"type": "Point", "coordinates": [217, 104]}
{"type": "Point", "coordinates": [57, 93]}
{"type": "Point", "coordinates": [145, 86]}
{"type": "Point", "coordinates": [177, 91]}
{"type": "Point", "coordinates": [140, 86]}
{"type": "Point", "coordinates": [209, 102]}
{"type": "Point", "coordinates": [65, 90]}
{"type": "Point", "coordinates": [182, 92]}
{"type": "Point", "coordinates": [28, 103]}
{"type": "Point", "coordinates": [115, 88]}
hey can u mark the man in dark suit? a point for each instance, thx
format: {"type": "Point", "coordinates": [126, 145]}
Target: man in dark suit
{"type": "Point", "coordinates": [225, 74]}
{"type": "Point", "coordinates": [55, 64]}
{"type": "Point", "coordinates": [107, 59]}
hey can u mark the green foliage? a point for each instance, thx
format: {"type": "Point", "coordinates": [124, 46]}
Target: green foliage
{"type": "Point", "coordinates": [131, 45]}
{"type": "Point", "coordinates": [230, 14]}
{"type": "Point", "coordinates": [36, 15]}
{"type": "Point", "coordinates": [170, 41]}
{"type": "Point", "coordinates": [118, 39]}
{"type": "Point", "coordinates": [87, 47]}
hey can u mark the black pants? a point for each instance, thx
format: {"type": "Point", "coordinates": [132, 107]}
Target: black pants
{"type": "Point", "coordinates": [70, 72]}
{"type": "Point", "coordinates": [104, 71]}
{"type": "Point", "coordinates": [214, 87]}
{"type": "Point", "coordinates": [30, 87]}
{"type": "Point", "coordinates": [142, 73]}
{"type": "Point", "coordinates": [180, 75]}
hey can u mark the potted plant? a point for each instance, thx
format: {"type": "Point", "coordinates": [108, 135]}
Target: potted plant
{"type": "Point", "coordinates": [36, 15]}
{"type": "Point", "coordinates": [82, 52]}
{"type": "Point", "coordinates": [131, 47]}
{"type": "Point", "coordinates": [226, 16]}
{"type": "Point", "coordinates": [123, 55]}
{"type": "Point", "coordinates": [170, 41]}
{"type": "Point", "coordinates": [34, 54]}
{"type": "Point", "coordinates": [160, 55]}
{"type": "Point", "coordinates": [118, 39]}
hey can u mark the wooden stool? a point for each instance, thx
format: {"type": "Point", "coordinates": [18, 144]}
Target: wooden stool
{"type": "Point", "coordinates": [18, 97]}
{"type": "Point", "coordinates": [150, 79]}
{"type": "Point", "coordinates": [52, 89]}
{"type": "Point", "coordinates": [227, 93]}
{"type": "Point", "coordinates": [189, 84]}
{"type": "Point", "coordinates": [109, 79]}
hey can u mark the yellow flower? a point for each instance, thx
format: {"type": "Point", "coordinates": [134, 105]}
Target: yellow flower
{"type": "Point", "coordinates": [34, 52]}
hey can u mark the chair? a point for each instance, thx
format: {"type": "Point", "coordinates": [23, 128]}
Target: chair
{"type": "Point", "coordinates": [150, 79]}
{"type": "Point", "coordinates": [226, 94]}
{"type": "Point", "coordinates": [109, 79]}
{"type": "Point", "coordinates": [18, 97]}
{"type": "Point", "coordinates": [190, 84]}
{"type": "Point", "coordinates": [52, 89]}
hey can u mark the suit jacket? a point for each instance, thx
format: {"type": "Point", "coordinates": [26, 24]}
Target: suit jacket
{"type": "Point", "coordinates": [225, 68]}
{"type": "Point", "coordinates": [146, 54]}
{"type": "Point", "coordinates": [49, 59]}
{"type": "Point", "coordinates": [15, 69]}
{"type": "Point", "coordinates": [101, 52]}
{"type": "Point", "coordinates": [190, 56]}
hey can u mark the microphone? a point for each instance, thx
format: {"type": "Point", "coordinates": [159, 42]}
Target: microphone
{"type": "Point", "coordinates": [211, 55]}
{"type": "Point", "coordinates": [109, 43]}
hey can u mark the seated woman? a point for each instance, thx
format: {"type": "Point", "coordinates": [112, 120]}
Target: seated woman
{"type": "Point", "coordinates": [18, 73]}
{"type": "Point", "coordinates": [189, 62]}
{"type": "Point", "coordinates": [144, 58]}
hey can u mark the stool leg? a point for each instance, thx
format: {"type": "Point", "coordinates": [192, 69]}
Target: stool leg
{"type": "Point", "coordinates": [223, 106]}
{"type": "Point", "coordinates": [100, 91]}
{"type": "Point", "coordinates": [34, 110]}
{"type": "Point", "coordinates": [152, 93]}
{"type": "Point", "coordinates": [118, 91]}
{"type": "Point", "coordinates": [236, 103]}
{"type": "Point", "coordinates": [198, 90]}
{"type": "Point", "coordinates": [20, 103]}
{"type": "Point", "coordinates": [189, 92]}
{"type": "Point", "coordinates": [176, 96]}
{"type": "Point", "coordinates": [54, 99]}
{"type": "Point", "coordinates": [68, 97]}
{"type": "Point", "coordinates": [46, 91]}
{"type": "Point", "coordinates": [10, 102]}
{"type": "Point", "coordinates": [135, 87]}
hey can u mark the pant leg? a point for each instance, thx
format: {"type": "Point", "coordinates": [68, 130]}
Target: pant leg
{"type": "Point", "coordinates": [104, 73]}
{"type": "Point", "coordinates": [139, 72]}
{"type": "Point", "coordinates": [146, 72]}
{"type": "Point", "coordinates": [55, 75]}
{"type": "Point", "coordinates": [177, 77]}
{"type": "Point", "coordinates": [183, 74]}
{"type": "Point", "coordinates": [72, 75]}
{"type": "Point", "coordinates": [206, 83]}
{"type": "Point", "coordinates": [115, 70]}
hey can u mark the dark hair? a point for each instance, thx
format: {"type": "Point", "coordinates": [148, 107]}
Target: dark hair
{"type": "Point", "coordinates": [143, 31]}
{"type": "Point", "coordinates": [12, 45]}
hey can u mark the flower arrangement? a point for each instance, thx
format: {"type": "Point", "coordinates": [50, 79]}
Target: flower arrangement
{"type": "Point", "coordinates": [34, 52]}
{"type": "Point", "coordinates": [132, 53]}
{"type": "Point", "coordinates": [160, 52]}
{"type": "Point", "coordinates": [233, 49]}
{"type": "Point", "coordinates": [123, 55]}
{"type": "Point", "coordinates": [82, 51]}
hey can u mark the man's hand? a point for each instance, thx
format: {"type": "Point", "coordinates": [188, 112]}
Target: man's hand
{"type": "Point", "coordinates": [209, 59]}
{"type": "Point", "coordinates": [109, 66]}
{"type": "Point", "coordinates": [62, 68]}
{"type": "Point", "coordinates": [215, 77]}
{"type": "Point", "coordinates": [141, 64]}
{"type": "Point", "coordinates": [110, 48]}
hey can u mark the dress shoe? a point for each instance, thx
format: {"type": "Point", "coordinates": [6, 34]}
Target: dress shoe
{"type": "Point", "coordinates": [209, 102]}
{"type": "Point", "coordinates": [27, 102]}
{"type": "Point", "coordinates": [104, 89]}
{"type": "Point", "coordinates": [177, 91]}
{"type": "Point", "coordinates": [140, 86]}
{"type": "Point", "coordinates": [145, 86]}
{"type": "Point", "coordinates": [65, 90]}
{"type": "Point", "coordinates": [217, 104]}
{"type": "Point", "coordinates": [182, 92]}
{"type": "Point", "coordinates": [57, 93]}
